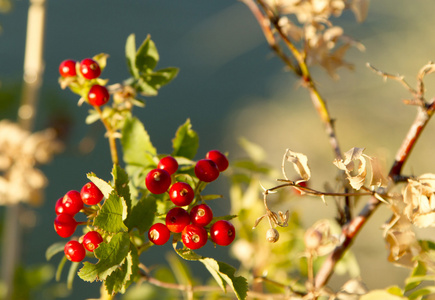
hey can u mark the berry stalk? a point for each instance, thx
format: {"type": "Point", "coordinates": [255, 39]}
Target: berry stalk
{"type": "Point", "coordinates": [110, 136]}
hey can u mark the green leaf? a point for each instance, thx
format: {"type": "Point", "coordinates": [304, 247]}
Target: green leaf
{"type": "Point", "coordinates": [395, 290]}
{"type": "Point", "coordinates": [255, 152]}
{"type": "Point", "coordinates": [112, 214]}
{"type": "Point", "coordinates": [211, 197]}
{"type": "Point", "coordinates": [103, 185]}
{"type": "Point", "coordinates": [147, 56]}
{"type": "Point", "coordinates": [92, 117]}
{"type": "Point", "coordinates": [54, 249]}
{"type": "Point", "coordinates": [224, 274]}
{"type": "Point", "coordinates": [72, 274]}
{"type": "Point", "coordinates": [136, 143]}
{"type": "Point", "coordinates": [417, 272]}
{"type": "Point", "coordinates": [130, 55]}
{"type": "Point", "coordinates": [121, 180]}
{"type": "Point", "coordinates": [142, 214]}
{"type": "Point", "coordinates": [427, 245]}
{"type": "Point", "coordinates": [110, 256]}
{"type": "Point", "coordinates": [221, 272]}
{"type": "Point", "coordinates": [144, 87]}
{"type": "Point", "coordinates": [430, 290]}
{"type": "Point", "coordinates": [186, 141]}
{"type": "Point", "coordinates": [162, 77]}
{"type": "Point", "coordinates": [122, 277]}
{"type": "Point", "coordinates": [60, 267]}
{"type": "Point", "coordinates": [101, 59]}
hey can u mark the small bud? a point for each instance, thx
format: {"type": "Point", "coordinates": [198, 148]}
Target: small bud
{"type": "Point", "coordinates": [312, 239]}
{"type": "Point", "coordinates": [272, 235]}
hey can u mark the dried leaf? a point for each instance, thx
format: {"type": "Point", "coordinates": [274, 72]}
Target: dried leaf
{"type": "Point", "coordinates": [354, 164]}
{"type": "Point", "coordinates": [258, 221]}
{"type": "Point", "coordinates": [378, 179]}
{"type": "Point", "coordinates": [300, 163]}
{"type": "Point", "coordinates": [401, 241]}
{"type": "Point", "coordinates": [419, 197]}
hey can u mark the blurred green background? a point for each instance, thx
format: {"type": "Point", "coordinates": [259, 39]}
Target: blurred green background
{"type": "Point", "coordinates": [230, 85]}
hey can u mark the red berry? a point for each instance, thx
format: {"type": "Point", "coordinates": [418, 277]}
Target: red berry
{"type": "Point", "coordinates": [91, 240]}
{"type": "Point", "coordinates": [65, 225]}
{"type": "Point", "coordinates": [181, 193]}
{"type": "Point", "coordinates": [91, 194]}
{"type": "Point", "coordinates": [74, 251]}
{"type": "Point", "coordinates": [222, 233]}
{"type": "Point", "coordinates": [169, 164]}
{"type": "Point", "coordinates": [159, 234]}
{"type": "Point", "coordinates": [201, 215]}
{"type": "Point", "coordinates": [206, 170]}
{"type": "Point", "coordinates": [194, 237]}
{"type": "Point", "coordinates": [158, 181]}
{"type": "Point", "coordinates": [58, 208]}
{"type": "Point", "coordinates": [67, 68]}
{"type": "Point", "coordinates": [72, 203]}
{"type": "Point", "coordinates": [89, 68]}
{"type": "Point", "coordinates": [176, 219]}
{"type": "Point", "coordinates": [220, 159]}
{"type": "Point", "coordinates": [98, 95]}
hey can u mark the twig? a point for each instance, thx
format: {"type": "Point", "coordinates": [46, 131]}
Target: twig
{"type": "Point", "coordinates": [398, 78]}
{"type": "Point", "coordinates": [203, 288]}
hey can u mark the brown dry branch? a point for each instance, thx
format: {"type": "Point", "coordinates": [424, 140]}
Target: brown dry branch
{"type": "Point", "coordinates": [190, 290]}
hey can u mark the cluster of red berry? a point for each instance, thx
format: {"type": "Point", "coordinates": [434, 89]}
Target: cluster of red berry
{"type": "Point", "coordinates": [89, 69]}
{"type": "Point", "coordinates": [65, 224]}
{"type": "Point", "coordinates": [193, 220]}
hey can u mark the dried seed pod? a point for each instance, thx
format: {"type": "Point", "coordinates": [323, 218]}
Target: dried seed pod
{"type": "Point", "coordinates": [272, 235]}
{"type": "Point", "coordinates": [312, 239]}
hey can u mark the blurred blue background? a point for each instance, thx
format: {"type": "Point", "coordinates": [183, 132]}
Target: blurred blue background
{"type": "Point", "coordinates": [230, 85]}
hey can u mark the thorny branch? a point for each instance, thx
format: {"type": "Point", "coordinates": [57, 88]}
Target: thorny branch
{"type": "Point", "coordinates": [268, 22]}
{"type": "Point", "coordinates": [300, 70]}
{"type": "Point", "coordinates": [350, 231]}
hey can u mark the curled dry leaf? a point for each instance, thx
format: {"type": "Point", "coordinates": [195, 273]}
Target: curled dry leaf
{"type": "Point", "coordinates": [354, 165]}
{"type": "Point", "coordinates": [300, 164]}
{"type": "Point", "coordinates": [401, 241]}
{"type": "Point", "coordinates": [419, 197]}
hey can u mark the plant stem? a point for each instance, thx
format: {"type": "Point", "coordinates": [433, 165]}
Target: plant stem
{"type": "Point", "coordinates": [301, 70]}
{"type": "Point", "coordinates": [32, 81]}
{"type": "Point", "coordinates": [350, 231]}
{"type": "Point", "coordinates": [110, 136]}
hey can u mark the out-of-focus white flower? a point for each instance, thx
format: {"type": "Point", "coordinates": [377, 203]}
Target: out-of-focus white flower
{"type": "Point", "coordinates": [20, 152]}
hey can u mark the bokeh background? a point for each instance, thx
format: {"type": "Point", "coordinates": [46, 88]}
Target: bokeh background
{"type": "Point", "coordinates": [230, 85]}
